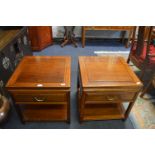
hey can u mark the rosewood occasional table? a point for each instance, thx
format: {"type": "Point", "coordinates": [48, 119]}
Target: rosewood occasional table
{"type": "Point", "coordinates": [105, 83]}
{"type": "Point", "coordinates": [40, 87]}
{"type": "Point", "coordinates": [130, 29]}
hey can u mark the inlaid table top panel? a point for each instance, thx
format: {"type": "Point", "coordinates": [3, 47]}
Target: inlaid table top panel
{"type": "Point", "coordinates": [106, 71]}
{"type": "Point", "coordinates": [42, 71]}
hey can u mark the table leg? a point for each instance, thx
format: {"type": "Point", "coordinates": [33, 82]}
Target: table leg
{"type": "Point", "coordinates": [64, 43]}
{"type": "Point", "coordinates": [83, 37]}
{"type": "Point", "coordinates": [129, 38]}
{"type": "Point", "coordinates": [81, 102]}
{"type": "Point", "coordinates": [68, 108]}
{"type": "Point", "coordinates": [128, 110]}
{"type": "Point", "coordinates": [123, 36]}
{"type": "Point", "coordinates": [18, 110]}
{"type": "Point", "coordinates": [130, 106]}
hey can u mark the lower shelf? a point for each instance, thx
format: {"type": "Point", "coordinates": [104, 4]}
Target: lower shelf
{"type": "Point", "coordinates": [44, 112]}
{"type": "Point", "coordinates": [104, 111]}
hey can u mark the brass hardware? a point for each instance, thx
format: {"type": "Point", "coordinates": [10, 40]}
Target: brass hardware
{"type": "Point", "coordinates": [39, 100]}
{"type": "Point", "coordinates": [4, 108]}
{"type": "Point", "coordinates": [110, 98]}
{"type": "Point", "coordinates": [39, 85]}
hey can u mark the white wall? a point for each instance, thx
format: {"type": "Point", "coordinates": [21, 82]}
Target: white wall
{"type": "Point", "coordinates": [58, 32]}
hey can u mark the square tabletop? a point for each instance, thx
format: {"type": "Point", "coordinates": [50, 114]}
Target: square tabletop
{"type": "Point", "coordinates": [42, 72]}
{"type": "Point", "coordinates": [106, 71]}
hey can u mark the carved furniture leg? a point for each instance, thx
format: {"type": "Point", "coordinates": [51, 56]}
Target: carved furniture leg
{"type": "Point", "coordinates": [64, 43]}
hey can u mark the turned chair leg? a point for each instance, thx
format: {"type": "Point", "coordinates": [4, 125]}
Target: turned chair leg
{"type": "Point", "coordinates": [64, 43]}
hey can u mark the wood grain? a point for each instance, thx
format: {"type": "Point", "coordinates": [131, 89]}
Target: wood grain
{"type": "Point", "coordinates": [104, 84]}
{"type": "Point", "coordinates": [40, 87]}
{"type": "Point", "coordinates": [45, 70]}
{"type": "Point", "coordinates": [113, 28]}
{"type": "Point", "coordinates": [44, 112]}
{"type": "Point", "coordinates": [40, 37]}
{"type": "Point", "coordinates": [103, 111]}
{"type": "Point", "coordinates": [106, 71]}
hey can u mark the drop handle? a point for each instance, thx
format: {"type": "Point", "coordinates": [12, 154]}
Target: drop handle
{"type": "Point", "coordinates": [39, 99]}
{"type": "Point", "coordinates": [110, 98]}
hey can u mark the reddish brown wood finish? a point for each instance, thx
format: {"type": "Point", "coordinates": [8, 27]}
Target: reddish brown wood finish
{"type": "Point", "coordinates": [148, 86]}
{"type": "Point", "coordinates": [40, 37]}
{"type": "Point", "coordinates": [104, 84]}
{"type": "Point", "coordinates": [142, 53]}
{"type": "Point", "coordinates": [40, 87]}
{"type": "Point", "coordinates": [111, 28]}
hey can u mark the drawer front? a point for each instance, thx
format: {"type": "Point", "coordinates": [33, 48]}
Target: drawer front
{"type": "Point", "coordinates": [110, 96]}
{"type": "Point", "coordinates": [40, 97]}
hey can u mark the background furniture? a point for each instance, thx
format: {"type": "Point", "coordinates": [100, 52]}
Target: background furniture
{"type": "Point", "coordinates": [69, 36]}
{"type": "Point", "coordinates": [153, 35]}
{"type": "Point", "coordinates": [14, 45]}
{"type": "Point", "coordinates": [40, 87]}
{"type": "Point", "coordinates": [142, 53]}
{"type": "Point", "coordinates": [115, 28]}
{"type": "Point", "coordinates": [4, 108]}
{"type": "Point", "coordinates": [40, 37]}
{"type": "Point", "coordinates": [148, 86]}
{"type": "Point", "coordinates": [102, 90]}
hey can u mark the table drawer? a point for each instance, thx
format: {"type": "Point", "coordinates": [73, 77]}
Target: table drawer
{"type": "Point", "coordinates": [110, 96]}
{"type": "Point", "coordinates": [40, 97]}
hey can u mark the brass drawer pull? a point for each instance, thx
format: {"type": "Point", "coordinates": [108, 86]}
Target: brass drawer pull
{"type": "Point", "coordinates": [110, 98]}
{"type": "Point", "coordinates": [39, 100]}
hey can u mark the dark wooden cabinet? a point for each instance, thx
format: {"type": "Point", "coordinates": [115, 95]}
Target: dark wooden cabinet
{"type": "Point", "coordinates": [40, 37]}
{"type": "Point", "coordinates": [13, 46]}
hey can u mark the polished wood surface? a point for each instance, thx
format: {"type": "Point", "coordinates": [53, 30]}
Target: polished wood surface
{"type": "Point", "coordinates": [108, 96]}
{"type": "Point", "coordinates": [104, 84]}
{"type": "Point", "coordinates": [40, 87]}
{"type": "Point", "coordinates": [108, 71]}
{"type": "Point", "coordinates": [38, 96]}
{"type": "Point", "coordinates": [44, 112]}
{"type": "Point", "coordinates": [104, 111]}
{"type": "Point", "coordinates": [111, 28]}
{"type": "Point", "coordinates": [41, 72]}
{"type": "Point", "coordinates": [40, 37]}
